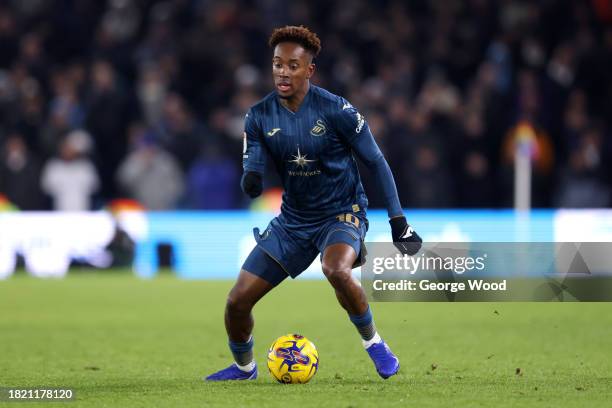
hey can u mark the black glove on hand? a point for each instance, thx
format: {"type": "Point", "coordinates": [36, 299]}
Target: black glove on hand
{"type": "Point", "coordinates": [251, 184]}
{"type": "Point", "coordinates": [404, 237]}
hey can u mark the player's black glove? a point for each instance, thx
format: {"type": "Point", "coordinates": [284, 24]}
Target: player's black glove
{"type": "Point", "coordinates": [404, 237]}
{"type": "Point", "coordinates": [251, 184]}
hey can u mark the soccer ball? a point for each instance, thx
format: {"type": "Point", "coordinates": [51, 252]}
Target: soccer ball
{"type": "Point", "coordinates": [293, 359]}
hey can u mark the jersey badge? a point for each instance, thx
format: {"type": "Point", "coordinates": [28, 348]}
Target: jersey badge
{"type": "Point", "coordinates": [318, 129]}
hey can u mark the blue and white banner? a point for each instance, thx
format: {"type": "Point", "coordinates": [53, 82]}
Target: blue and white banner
{"type": "Point", "coordinates": [213, 245]}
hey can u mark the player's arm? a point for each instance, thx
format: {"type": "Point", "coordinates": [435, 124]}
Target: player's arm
{"type": "Point", "coordinates": [355, 129]}
{"type": "Point", "coordinates": [253, 157]}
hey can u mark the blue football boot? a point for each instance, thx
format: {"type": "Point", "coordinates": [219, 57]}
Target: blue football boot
{"type": "Point", "coordinates": [233, 373]}
{"type": "Point", "coordinates": [385, 361]}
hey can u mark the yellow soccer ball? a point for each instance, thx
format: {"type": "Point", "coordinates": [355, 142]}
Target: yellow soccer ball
{"type": "Point", "coordinates": [293, 359]}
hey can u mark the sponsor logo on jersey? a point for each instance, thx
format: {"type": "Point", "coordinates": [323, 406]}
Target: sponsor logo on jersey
{"type": "Point", "coordinates": [318, 129]}
{"type": "Point", "coordinates": [273, 131]}
{"type": "Point", "coordinates": [301, 162]}
{"type": "Point", "coordinates": [360, 122]}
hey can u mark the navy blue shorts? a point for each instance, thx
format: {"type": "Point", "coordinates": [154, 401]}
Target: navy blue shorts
{"type": "Point", "coordinates": [289, 249]}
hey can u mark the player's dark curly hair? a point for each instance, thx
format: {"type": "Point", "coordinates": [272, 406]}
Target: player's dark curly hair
{"type": "Point", "coordinates": [300, 35]}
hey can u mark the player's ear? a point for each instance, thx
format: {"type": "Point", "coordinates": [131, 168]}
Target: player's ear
{"type": "Point", "coordinates": [311, 70]}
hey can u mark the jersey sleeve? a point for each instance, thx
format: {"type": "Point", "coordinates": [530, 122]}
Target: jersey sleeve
{"type": "Point", "coordinates": [353, 128]}
{"type": "Point", "coordinates": [253, 150]}
{"type": "Point", "coordinates": [349, 123]}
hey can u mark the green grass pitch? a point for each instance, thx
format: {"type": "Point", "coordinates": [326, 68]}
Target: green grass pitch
{"type": "Point", "coordinates": [123, 342]}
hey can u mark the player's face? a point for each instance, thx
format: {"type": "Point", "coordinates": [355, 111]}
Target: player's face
{"type": "Point", "coordinates": [292, 67]}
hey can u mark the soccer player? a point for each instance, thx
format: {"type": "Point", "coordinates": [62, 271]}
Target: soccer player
{"type": "Point", "coordinates": [312, 136]}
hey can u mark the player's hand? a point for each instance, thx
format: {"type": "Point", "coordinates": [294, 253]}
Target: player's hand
{"type": "Point", "coordinates": [251, 184]}
{"type": "Point", "coordinates": [404, 237]}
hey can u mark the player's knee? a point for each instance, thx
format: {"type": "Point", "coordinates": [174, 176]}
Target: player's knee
{"type": "Point", "coordinates": [237, 304]}
{"type": "Point", "coordinates": [337, 275]}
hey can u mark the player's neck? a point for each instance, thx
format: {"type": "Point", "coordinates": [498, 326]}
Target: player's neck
{"type": "Point", "coordinates": [293, 103]}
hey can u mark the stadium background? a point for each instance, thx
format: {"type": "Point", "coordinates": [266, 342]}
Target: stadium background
{"type": "Point", "coordinates": [164, 85]}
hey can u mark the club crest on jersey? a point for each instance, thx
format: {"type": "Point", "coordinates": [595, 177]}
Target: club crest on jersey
{"type": "Point", "coordinates": [318, 129]}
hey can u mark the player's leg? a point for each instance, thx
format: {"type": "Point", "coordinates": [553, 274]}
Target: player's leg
{"type": "Point", "coordinates": [259, 274]}
{"type": "Point", "coordinates": [337, 263]}
{"type": "Point", "coordinates": [247, 291]}
{"type": "Point", "coordinates": [339, 256]}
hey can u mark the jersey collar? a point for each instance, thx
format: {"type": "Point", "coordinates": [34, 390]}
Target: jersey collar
{"type": "Point", "coordinates": [301, 107]}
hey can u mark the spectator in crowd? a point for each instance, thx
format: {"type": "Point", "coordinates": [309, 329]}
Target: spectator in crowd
{"type": "Point", "coordinates": [212, 180]}
{"type": "Point", "coordinates": [66, 112]}
{"type": "Point", "coordinates": [476, 186]}
{"type": "Point", "coordinates": [20, 175]}
{"type": "Point", "coordinates": [71, 178]}
{"type": "Point", "coordinates": [107, 118]}
{"type": "Point", "coordinates": [151, 91]}
{"type": "Point", "coordinates": [583, 177]}
{"type": "Point", "coordinates": [181, 134]}
{"type": "Point", "coordinates": [149, 174]}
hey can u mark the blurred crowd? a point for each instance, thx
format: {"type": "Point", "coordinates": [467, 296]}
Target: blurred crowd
{"type": "Point", "coordinates": [146, 99]}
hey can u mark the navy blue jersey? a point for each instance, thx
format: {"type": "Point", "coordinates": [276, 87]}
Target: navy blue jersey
{"type": "Point", "coordinates": [313, 151]}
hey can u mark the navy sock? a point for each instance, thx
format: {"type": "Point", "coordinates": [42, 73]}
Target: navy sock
{"type": "Point", "coordinates": [243, 352]}
{"type": "Point", "coordinates": [364, 324]}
